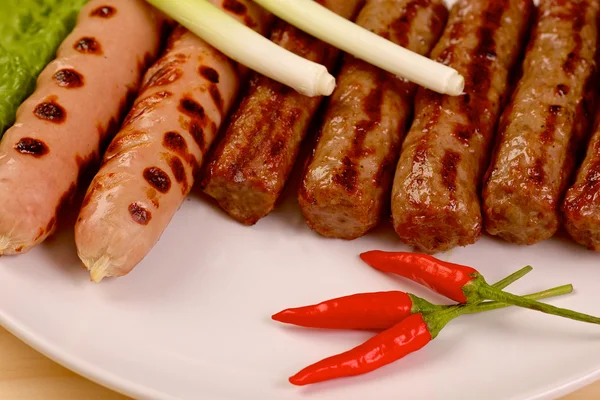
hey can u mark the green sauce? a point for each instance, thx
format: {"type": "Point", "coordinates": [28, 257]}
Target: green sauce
{"type": "Point", "coordinates": [30, 33]}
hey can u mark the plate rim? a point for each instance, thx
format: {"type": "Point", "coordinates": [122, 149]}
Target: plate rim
{"type": "Point", "coordinates": [129, 388]}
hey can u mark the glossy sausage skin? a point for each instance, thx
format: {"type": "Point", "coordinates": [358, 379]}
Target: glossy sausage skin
{"type": "Point", "coordinates": [79, 101]}
{"type": "Point", "coordinates": [435, 195]}
{"type": "Point", "coordinates": [347, 184]}
{"type": "Point", "coordinates": [251, 164]}
{"type": "Point", "coordinates": [151, 164]}
{"type": "Point", "coordinates": [544, 124]}
{"type": "Point", "coordinates": [581, 207]}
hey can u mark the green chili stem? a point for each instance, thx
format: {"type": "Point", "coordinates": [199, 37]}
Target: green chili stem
{"type": "Point", "coordinates": [437, 320]}
{"type": "Point", "coordinates": [495, 305]}
{"type": "Point", "coordinates": [489, 292]}
{"type": "Point", "coordinates": [515, 276]}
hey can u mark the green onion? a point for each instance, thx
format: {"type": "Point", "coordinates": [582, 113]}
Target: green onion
{"type": "Point", "coordinates": [247, 47]}
{"type": "Point", "coordinates": [324, 24]}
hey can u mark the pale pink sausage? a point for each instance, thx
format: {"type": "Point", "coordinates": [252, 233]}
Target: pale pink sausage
{"type": "Point", "coordinates": [150, 166]}
{"type": "Point", "coordinates": [79, 100]}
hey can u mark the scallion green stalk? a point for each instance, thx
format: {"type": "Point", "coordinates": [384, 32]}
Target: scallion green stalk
{"type": "Point", "coordinates": [326, 25]}
{"type": "Point", "coordinates": [247, 47]}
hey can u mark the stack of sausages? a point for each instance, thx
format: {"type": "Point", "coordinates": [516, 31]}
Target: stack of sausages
{"type": "Point", "coordinates": [502, 157]}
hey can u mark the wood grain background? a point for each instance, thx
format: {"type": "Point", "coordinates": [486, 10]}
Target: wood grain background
{"type": "Point", "coordinates": [27, 375]}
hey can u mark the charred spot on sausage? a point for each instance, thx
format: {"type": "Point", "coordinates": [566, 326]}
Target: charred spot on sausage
{"type": "Point", "coordinates": [33, 147]}
{"type": "Point", "coordinates": [50, 111]}
{"type": "Point", "coordinates": [178, 171]}
{"type": "Point", "coordinates": [158, 179]}
{"type": "Point", "coordinates": [103, 12]}
{"type": "Point", "coordinates": [191, 108]}
{"type": "Point", "coordinates": [209, 73]}
{"type": "Point", "coordinates": [166, 75]}
{"type": "Point", "coordinates": [235, 7]}
{"type": "Point", "coordinates": [68, 78]}
{"type": "Point", "coordinates": [197, 133]}
{"type": "Point", "coordinates": [216, 96]}
{"type": "Point", "coordinates": [139, 213]}
{"type": "Point", "coordinates": [174, 142]}
{"type": "Point", "coordinates": [88, 45]}
{"type": "Point", "coordinates": [562, 90]}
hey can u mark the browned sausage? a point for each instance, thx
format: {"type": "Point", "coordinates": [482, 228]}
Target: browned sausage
{"type": "Point", "coordinates": [79, 101]}
{"type": "Point", "coordinates": [435, 199]}
{"type": "Point", "coordinates": [347, 184]}
{"type": "Point", "coordinates": [151, 164]}
{"type": "Point", "coordinates": [581, 207]}
{"type": "Point", "coordinates": [251, 164]}
{"type": "Point", "coordinates": [544, 124]}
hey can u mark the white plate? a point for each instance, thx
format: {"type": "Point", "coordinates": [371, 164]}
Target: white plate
{"type": "Point", "coordinates": [193, 320]}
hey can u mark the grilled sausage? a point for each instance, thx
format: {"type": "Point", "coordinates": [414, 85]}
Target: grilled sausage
{"type": "Point", "coordinates": [544, 124]}
{"type": "Point", "coordinates": [581, 207]}
{"type": "Point", "coordinates": [435, 203]}
{"type": "Point", "coordinates": [150, 165]}
{"type": "Point", "coordinates": [347, 184]}
{"type": "Point", "coordinates": [78, 103]}
{"type": "Point", "coordinates": [251, 164]}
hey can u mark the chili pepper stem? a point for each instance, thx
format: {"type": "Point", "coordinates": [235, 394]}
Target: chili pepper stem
{"type": "Point", "coordinates": [479, 288]}
{"type": "Point", "coordinates": [512, 278]}
{"type": "Point", "coordinates": [495, 305]}
{"type": "Point", "coordinates": [437, 321]}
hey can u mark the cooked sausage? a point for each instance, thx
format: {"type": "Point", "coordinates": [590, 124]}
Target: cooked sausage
{"type": "Point", "coordinates": [346, 186]}
{"type": "Point", "coordinates": [78, 103]}
{"type": "Point", "coordinates": [250, 166]}
{"type": "Point", "coordinates": [149, 167]}
{"type": "Point", "coordinates": [435, 199]}
{"type": "Point", "coordinates": [544, 124]}
{"type": "Point", "coordinates": [581, 207]}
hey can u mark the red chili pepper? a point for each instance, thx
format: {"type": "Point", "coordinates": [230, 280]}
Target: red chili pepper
{"type": "Point", "coordinates": [457, 282]}
{"type": "Point", "coordinates": [407, 336]}
{"type": "Point", "coordinates": [378, 310]}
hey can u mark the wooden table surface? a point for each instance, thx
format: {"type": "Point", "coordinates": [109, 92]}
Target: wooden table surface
{"type": "Point", "coordinates": [27, 375]}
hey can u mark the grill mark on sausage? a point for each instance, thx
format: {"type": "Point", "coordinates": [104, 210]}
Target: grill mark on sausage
{"type": "Point", "coordinates": [32, 147]}
{"type": "Point", "coordinates": [402, 25]}
{"type": "Point", "coordinates": [103, 12]}
{"type": "Point", "coordinates": [68, 78]}
{"type": "Point", "coordinates": [178, 171]}
{"type": "Point", "coordinates": [269, 107]}
{"type": "Point", "coordinates": [140, 214]}
{"type": "Point", "coordinates": [144, 105]}
{"type": "Point", "coordinates": [175, 142]}
{"type": "Point", "coordinates": [478, 76]}
{"type": "Point", "coordinates": [165, 75]}
{"type": "Point", "coordinates": [562, 90]}
{"type": "Point", "coordinates": [347, 177]}
{"type": "Point", "coordinates": [191, 108]}
{"type": "Point", "coordinates": [536, 173]}
{"type": "Point", "coordinates": [450, 162]}
{"type": "Point", "coordinates": [456, 31]}
{"type": "Point", "coordinates": [577, 15]}
{"type": "Point", "coordinates": [235, 7]}
{"type": "Point", "coordinates": [249, 22]}
{"type": "Point", "coordinates": [197, 131]}
{"type": "Point", "coordinates": [123, 142]}
{"type": "Point", "coordinates": [50, 111]}
{"type": "Point", "coordinates": [209, 73]}
{"type": "Point", "coordinates": [88, 45]}
{"type": "Point", "coordinates": [158, 179]}
{"type": "Point", "coordinates": [65, 201]}
{"type": "Point", "coordinates": [215, 94]}
{"type": "Point", "coordinates": [588, 190]}
{"type": "Point", "coordinates": [547, 135]}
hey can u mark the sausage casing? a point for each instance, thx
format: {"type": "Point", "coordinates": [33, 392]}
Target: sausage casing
{"type": "Point", "coordinates": [346, 186]}
{"type": "Point", "coordinates": [251, 164]}
{"type": "Point", "coordinates": [544, 124]}
{"type": "Point", "coordinates": [151, 164]}
{"type": "Point", "coordinates": [435, 198]}
{"type": "Point", "coordinates": [78, 104]}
